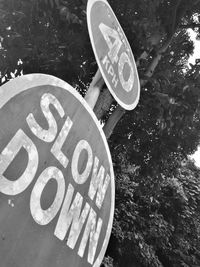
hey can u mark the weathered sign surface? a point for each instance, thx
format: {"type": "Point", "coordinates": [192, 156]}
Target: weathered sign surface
{"type": "Point", "coordinates": [113, 54]}
{"type": "Point", "coordinates": [56, 176]}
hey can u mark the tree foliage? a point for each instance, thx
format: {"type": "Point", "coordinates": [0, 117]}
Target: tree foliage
{"type": "Point", "coordinates": [157, 187]}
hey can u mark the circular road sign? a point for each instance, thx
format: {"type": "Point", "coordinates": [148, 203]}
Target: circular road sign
{"type": "Point", "coordinates": [113, 54]}
{"type": "Point", "coordinates": [56, 176]}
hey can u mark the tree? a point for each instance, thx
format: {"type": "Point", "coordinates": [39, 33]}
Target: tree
{"type": "Point", "coordinates": [156, 217]}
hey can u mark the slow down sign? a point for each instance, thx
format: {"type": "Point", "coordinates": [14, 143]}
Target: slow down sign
{"type": "Point", "coordinates": [56, 177]}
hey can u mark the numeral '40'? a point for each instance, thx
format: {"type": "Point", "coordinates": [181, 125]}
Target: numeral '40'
{"type": "Point", "coordinates": [109, 35]}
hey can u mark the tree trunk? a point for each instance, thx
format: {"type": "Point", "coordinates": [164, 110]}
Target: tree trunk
{"type": "Point", "coordinates": [119, 111]}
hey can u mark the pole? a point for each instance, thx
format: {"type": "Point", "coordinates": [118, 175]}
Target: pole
{"type": "Point", "coordinates": [94, 89]}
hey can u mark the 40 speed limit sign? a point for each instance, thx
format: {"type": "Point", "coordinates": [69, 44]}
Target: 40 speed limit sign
{"type": "Point", "coordinates": [56, 177]}
{"type": "Point", "coordinates": [113, 54]}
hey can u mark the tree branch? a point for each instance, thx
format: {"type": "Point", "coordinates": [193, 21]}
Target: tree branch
{"type": "Point", "coordinates": [119, 111]}
{"type": "Point", "coordinates": [151, 68]}
{"type": "Point", "coordinates": [174, 23]}
{"type": "Point", "coordinates": [191, 25]}
{"type": "Point", "coordinates": [197, 2]}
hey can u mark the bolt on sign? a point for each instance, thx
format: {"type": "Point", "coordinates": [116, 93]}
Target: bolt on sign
{"type": "Point", "coordinates": [56, 176]}
{"type": "Point", "coordinates": [113, 54]}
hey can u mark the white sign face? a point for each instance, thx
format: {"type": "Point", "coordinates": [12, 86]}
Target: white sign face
{"type": "Point", "coordinates": [113, 54]}
{"type": "Point", "coordinates": [56, 176]}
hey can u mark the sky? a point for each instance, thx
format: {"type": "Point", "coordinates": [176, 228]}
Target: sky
{"type": "Point", "coordinates": [196, 155]}
{"type": "Point", "coordinates": [197, 47]}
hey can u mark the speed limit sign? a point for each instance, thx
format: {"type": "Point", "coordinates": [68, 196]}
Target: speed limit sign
{"type": "Point", "coordinates": [113, 54]}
